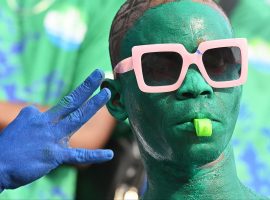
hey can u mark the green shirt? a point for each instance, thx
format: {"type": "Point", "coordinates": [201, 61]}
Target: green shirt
{"type": "Point", "coordinates": [46, 50]}
{"type": "Point", "coordinates": [44, 56]}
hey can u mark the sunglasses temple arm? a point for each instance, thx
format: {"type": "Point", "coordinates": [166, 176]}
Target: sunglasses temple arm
{"type": "Point", "coordinates": [124, 66]}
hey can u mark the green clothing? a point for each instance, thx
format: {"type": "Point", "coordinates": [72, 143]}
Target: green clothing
{"type": "Point", "coordinates": [250, 19]}
{"type": "Point", "coordinates": [44, 54]}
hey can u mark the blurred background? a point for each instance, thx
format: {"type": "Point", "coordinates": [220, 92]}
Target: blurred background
{"type": "Point", "coordinates": [251, 138]}
{"type": "Point", "coordinates": [47, 47]}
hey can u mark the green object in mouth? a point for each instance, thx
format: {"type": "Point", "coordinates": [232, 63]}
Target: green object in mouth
{"type": "Point", "coordinates": [203, 127]}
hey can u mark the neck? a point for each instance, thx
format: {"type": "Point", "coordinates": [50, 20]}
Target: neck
{"type": "Point", "coordinates": [216, 180]}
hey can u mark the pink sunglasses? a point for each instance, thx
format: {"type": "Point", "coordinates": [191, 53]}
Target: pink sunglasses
{"type": "Point", "coordinates": [163, 67]}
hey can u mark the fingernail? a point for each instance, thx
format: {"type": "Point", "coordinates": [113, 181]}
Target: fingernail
{"type": "Point", "coordinates": [98, 74]}
{"type": "Point", "coordinates": [106, 93]}
{"type": "Point", "coordinates": [109, 154]}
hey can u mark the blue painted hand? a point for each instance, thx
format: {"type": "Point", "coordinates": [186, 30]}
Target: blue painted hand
{"type": "Point", "coordinates": [35, 143]}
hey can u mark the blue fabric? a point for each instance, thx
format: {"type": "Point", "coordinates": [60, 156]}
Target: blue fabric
{"type": "Point", "coordinates": [35, 143]}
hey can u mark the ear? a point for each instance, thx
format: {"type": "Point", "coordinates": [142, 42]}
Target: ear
{"type": "Point", "coordinates": [116, 104]}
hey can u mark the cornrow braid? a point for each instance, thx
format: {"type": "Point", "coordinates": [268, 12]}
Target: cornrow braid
{"type": "Point", "coordinates": [128, 14]}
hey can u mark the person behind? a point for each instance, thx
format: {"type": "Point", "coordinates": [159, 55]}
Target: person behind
{"type": "Point", "coordinates": [179, 73]}
{"type": "Point", "coordinates": [47, 48]}
{"type": "Point", "coordinates": [36, 143]}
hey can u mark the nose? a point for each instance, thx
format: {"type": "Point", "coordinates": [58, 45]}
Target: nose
{"type": "Point", "coordinates": [194, 86]}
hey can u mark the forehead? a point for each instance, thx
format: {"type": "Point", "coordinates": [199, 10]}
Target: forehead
{"type": "Point", "coordinates": [185, 22]}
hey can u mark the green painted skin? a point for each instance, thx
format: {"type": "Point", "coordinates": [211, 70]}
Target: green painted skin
{"type": "Point", "coordinates": [179, 164]}
{"type": "Point", "coordinates": [203, 127]}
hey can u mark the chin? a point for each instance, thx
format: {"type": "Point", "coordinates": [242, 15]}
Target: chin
{"type": "Point", "coordinates": [199, 155]}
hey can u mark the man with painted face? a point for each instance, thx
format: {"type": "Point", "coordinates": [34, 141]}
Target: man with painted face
{"type": "Point", "coordinates": [179, 73]}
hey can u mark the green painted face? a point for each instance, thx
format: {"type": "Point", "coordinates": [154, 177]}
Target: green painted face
{"type": "Point", "coordinates": [163, 122]}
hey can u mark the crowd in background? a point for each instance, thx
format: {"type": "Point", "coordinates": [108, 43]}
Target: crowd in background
{"type": "Point", "coordinates": [48, 47]}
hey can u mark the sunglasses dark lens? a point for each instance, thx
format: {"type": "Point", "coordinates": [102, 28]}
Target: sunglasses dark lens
{"type": "Point", "coordinates": [161, 68]}
{"type": "Point", "coordinates": [223, 64]}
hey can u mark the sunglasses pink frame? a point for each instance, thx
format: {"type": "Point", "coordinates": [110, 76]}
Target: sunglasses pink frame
{"type": "Point", "coordinates": [134, 63]}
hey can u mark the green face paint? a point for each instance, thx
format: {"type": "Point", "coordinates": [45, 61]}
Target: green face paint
{"type": "Point", "coordinates": [178, 162]}
{"type": "Point", "coordinates": [174, 23]}
{"type": "Point", "coordinates": [203, 127]}
{"type": "Point", "coordinates": [163, 122]}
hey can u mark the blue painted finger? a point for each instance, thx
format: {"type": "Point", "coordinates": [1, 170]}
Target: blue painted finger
{"type": "Point", "coordinates": [85, 156]}
{"type": "Point", "coordinates": [76, 119]}
{"type": "Point", "coordinates": [76, 98]}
